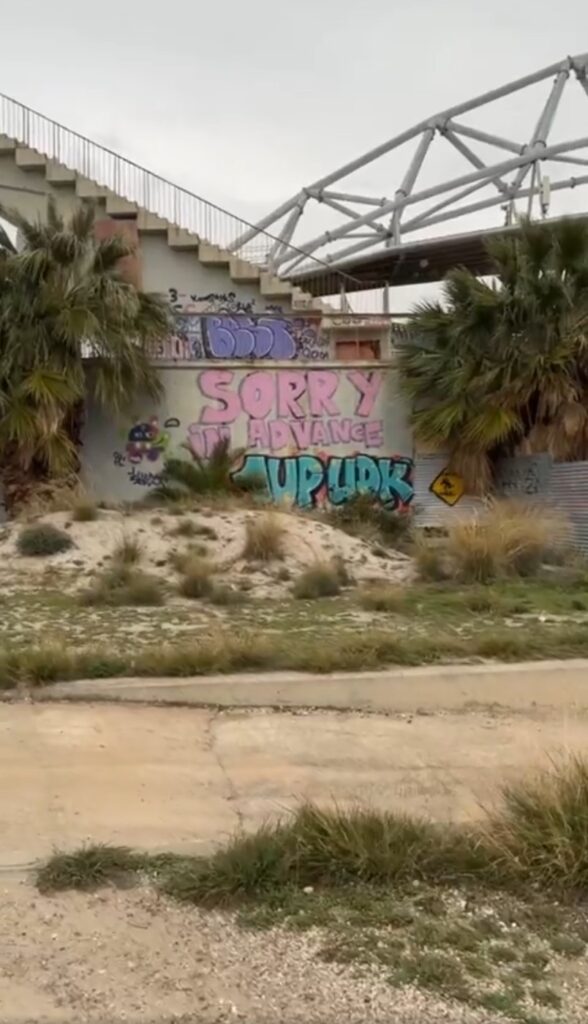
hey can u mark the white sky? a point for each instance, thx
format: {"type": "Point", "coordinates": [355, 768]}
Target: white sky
{"type": "Point", "coordinates": [244, 101]}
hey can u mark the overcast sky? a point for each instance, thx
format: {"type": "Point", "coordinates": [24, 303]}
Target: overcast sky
{"type": "Point", "coordinates": [243, 101]}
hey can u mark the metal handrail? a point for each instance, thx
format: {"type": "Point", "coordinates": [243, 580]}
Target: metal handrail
{"type": "Point", "coordinates": [150, 191]}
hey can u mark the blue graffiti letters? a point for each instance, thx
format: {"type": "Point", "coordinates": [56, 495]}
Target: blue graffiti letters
{"type": "Point", "coordinates": [308, 480]}
{"type": "Point", "coordinates": [247, 337]}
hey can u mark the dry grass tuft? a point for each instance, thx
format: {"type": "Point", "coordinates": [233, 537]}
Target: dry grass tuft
{"type": "Point", "coordinates": [264, 538]}
{"type": "Point", "coordinates": [323, 579]}
{"type": "Point", "coordinates": [197, 577]}
{"type": "Point", "coordinates": [127, 551]}
{"type": "Point", "coordinates": [508, 538]}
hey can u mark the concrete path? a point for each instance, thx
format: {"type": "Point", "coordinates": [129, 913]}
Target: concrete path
{"type": "Point", "coordinates": [184, 778]}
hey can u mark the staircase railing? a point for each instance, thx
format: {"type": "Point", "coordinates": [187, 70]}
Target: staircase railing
{"type": "Point", "coordinates": [151, 191]}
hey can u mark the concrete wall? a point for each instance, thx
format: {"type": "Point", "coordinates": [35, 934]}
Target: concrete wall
{"type": "Point", "coordinates": [313, 434]}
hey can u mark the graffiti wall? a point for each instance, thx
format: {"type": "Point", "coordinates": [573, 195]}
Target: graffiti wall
{"type": "Point", "coordinates": [313, 435]}
{"type": "Point", "coordinates": [219, 325]}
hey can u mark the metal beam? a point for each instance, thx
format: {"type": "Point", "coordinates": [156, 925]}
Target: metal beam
{"type": "Point", "coordinates": [409, 179]}
{"type": "Point", "coordinates": [474, 159]}
{"type": "Point", "coordinates": [538, 152]}
{"type": "Point", "coordinates": [490, 140]}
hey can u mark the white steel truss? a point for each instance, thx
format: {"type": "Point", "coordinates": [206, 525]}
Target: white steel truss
{"type": "Point", "coordinates": [516, 173]}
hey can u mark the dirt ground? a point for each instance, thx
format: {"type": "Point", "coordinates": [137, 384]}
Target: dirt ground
{"type": "Point", "coordinates": [184, 778]}
{"type": "Point", "coordinates": [129, 956]}
{"type": "Point", "coordinates": [306, 540]}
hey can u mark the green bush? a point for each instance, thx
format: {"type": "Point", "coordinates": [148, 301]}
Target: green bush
{"type": "Point", "coordinates": [42, 539]}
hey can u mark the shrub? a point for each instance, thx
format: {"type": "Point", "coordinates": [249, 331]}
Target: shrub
{"type": "Point", "coordinates": [122, 585]}
{"type": "Point", "coordinates": [42, 539]}
{"type": "Point", "coordinates": [506, 538]}
{"type": "Point", "coordinates": [323, 579]}
{"type": "Point", "coordinates": [190, 479]}
{"type": "Point", "coordinates": [364, 516]}
{"type": "Point", "coordinates": [264, 539]}
{"type": "Point", "coordinates": [197, 578]}
{"type": "Point", "coordinates": [84, 510]}
{"type": "Point", "coordinates": [127, 551]}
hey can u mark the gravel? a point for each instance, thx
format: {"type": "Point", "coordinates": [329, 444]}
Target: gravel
{"type": "Point", "coordinates": [132, 956]}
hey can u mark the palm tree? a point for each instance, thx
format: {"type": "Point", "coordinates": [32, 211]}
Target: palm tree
{"type": "Point", "coordinates": [70, 327]}
{"type": "Point", "coordinates": [501, 367]}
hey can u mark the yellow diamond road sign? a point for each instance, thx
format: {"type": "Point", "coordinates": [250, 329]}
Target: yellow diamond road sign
{"type": "Point", "coordinates": [448, 487]}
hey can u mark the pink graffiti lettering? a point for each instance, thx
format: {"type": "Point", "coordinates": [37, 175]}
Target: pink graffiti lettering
{"type": "Point", "coordinates": [290, 385]}
{"type": "Point", "coordinates": [203, 440]}
{"type": "Point", "coordinates": [368, 386]}
{"type": "Point", "coordinates": [277, 435]}
{"type": "Point", "coordinates": [262, 392]}
{"type": "Point", "coordinates": [216, 384]}
{"type": "Point", "coordinates": [257, 395]}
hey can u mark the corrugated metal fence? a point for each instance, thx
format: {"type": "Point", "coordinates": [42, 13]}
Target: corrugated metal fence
{"type": "Point", "coordinates": [563, 484]}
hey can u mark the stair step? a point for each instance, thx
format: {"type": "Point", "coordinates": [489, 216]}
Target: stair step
{"type": "Point", "coordinates": [241, 270]}
{"type": "Point", "coordinates": [147, 221]}
{"type": "Point", "coordinates": [180, 238]}
{"type": "Point", "coordinates": [29, 159]}
{"type": "Point", "coordinates": [116, 206]}
{"type": "Point", "coordinates": [87, 189]}
{"type": "Point", "coordinates": [274, 287]}
{"type": "Point", "coordinates": [213, 256]}
{"type": "Point", "coordinates": [59, 174]}
{"type": "Point", "coordinates": [7, 145]}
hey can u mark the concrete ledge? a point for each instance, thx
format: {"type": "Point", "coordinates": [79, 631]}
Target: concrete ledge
{"type": "Point", "coordinates": [451, 687]}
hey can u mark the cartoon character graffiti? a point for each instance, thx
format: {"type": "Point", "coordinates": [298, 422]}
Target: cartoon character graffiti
{"type": "Point", "coordinates": [146, 441]}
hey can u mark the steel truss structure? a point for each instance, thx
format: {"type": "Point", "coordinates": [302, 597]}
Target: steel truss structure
{"type": "Point", "coordinates": [515, 172]}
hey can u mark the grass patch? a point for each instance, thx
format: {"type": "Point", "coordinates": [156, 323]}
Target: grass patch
{"type": "Point", "coordinates": [42, 539]}
{"type": "Point", "coordinates": [382, 598]}
{"type": "Point", "coordinates": [123, 585]}
{"type": "Point", "coordinates": [87, 868]}
{"type": "Point", "coordinates": [264, 539]}
{"type": "Point", "coordinates": [542, 827]}
{"type": "Point", "coordinates": [323, 579]}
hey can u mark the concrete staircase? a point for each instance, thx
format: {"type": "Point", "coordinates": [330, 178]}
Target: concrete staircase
{"type": "Point", "coordinates": [70, 178]}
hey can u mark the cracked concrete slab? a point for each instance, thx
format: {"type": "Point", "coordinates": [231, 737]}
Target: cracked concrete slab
{"type": "Point", "coordinates": [184, 778]}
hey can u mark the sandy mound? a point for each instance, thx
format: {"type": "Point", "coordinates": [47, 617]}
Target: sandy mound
{"type": "Point", "coordinates": [305, 541]}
